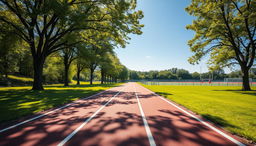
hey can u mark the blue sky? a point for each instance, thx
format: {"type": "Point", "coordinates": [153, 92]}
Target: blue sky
{"type": "Point", "coordinates": [163, 44]}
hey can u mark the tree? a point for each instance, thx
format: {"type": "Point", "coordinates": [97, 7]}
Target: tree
{"type": "Point", "coordinates": [227, 30]}
{"type": "Point", "coordinates": [43, 23]}
{"type": "Point", "coordinates": [164, 74]}
{"type": "Point", "coordinates": [9, 50]}
{"type": "Point", "coordinates": [133, 75]}
{"type": "Point", "coordinates": [53, 69]}
{"type": "Point", "coordinates": [106, 64]}
{"type": "Point", "coordinates": [196, 75]}
{"type": "Point", "coordinates": [81, 64]}
{"type": "Point", "coordinates": [114, 72]}
{"type": "Point", "coordinates": [94, 59]}
{"type": "Point", "coordinates": [183, 74]}
{"type": "Point", "coordinates": [69, 55]}
{"type": "Point", "coordinates": [123, 75]}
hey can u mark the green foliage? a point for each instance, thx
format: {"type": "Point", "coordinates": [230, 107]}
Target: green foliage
{"type": "Point", "coordinates": [53, 69]}
{"type": "Point", "coordinates": [52, 25]}
{"type": "Point", "coordinates": [227, 106]}
{"type": "Point", "coordinates": [9, 50]}
{"type": "Point", "coordinates": [226, 30]}
{"type": "Point", "coordinates": [25, 65]}
{"type": "Point", "coordinates": [72, 72]}
{"type": "Point", "coordinates": [184, 74]}
{"type": "Point", "coordinates": [181, 74]}
{"type": "Point", "coordinates": [195, 75]}
{"type": "Point", "coordinates": [123, 74]}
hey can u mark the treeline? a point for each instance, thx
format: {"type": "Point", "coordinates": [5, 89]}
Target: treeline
{"type": "Point", "coordinates": [182, 74]}
{"type": "Point", "coordinates": [53, 41]}
{"type": "Point", "coordinates": [56, 70]}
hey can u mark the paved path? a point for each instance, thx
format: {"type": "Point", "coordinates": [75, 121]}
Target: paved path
{"type": "Point", "coordinates": [126, 115]}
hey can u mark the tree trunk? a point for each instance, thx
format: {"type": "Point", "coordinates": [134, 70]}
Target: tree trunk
{"type": "Point", "coordinates": [38, 73]}
{"type": "Point", "coordinates": [78, 74]}
{"type": "Point", "coordinates": [6, 67]}
{"type": "Point", "coordinates": [106, 79]}
{"type": "Point", "coordinates": [66, 75]}
{"type": "Point", "coordinates": [246, 82]}
{"type": "Point", "coordinates": [6, 75]}
{"type": "Point", "coordinates": [102, 77]}
{"type": "Point", "coordinates": [78, 77]}
{"type": "Point", "coordinates": [91, 75]}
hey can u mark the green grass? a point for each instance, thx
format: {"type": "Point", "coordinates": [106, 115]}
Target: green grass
{"type": "Point", "coordinates": [229, 107]}
{"type": "Point", "coordinates": [27, 79]}
{"type": "Point", "coordinates": [22, 79]}
{"type": "Point", "coordinates": [17, 102]}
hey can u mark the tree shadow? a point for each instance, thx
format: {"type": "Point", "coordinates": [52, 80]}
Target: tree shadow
{"type": "Point", "coordinates": [248, 93]}
{"type": "Point", "coordinates": [252, 92]}
{"type": "Point", "coordinates": [163, 129]}
{"type": "Point", "coordinates": [163, 93]}
{"type": "Point", "coordinates": [82, 85]}
{"type": "Point", "coordinates": [219, 121]}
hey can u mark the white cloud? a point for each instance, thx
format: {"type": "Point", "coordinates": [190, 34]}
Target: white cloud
{"type": "Point", "coordinates": [148, 57]}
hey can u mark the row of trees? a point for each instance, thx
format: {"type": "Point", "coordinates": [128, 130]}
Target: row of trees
{"type": "Point", "coordinates": [62, 67]}
{"type": "Point", "coordinates": [81, 31]}
{"type": "Point", "coordinates": [182, 74]}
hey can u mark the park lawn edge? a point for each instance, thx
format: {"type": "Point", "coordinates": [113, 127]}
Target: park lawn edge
{"type": "Point", "coordinates": [33, 114]}
{"type": "Point", "coordinates": [246, 140]}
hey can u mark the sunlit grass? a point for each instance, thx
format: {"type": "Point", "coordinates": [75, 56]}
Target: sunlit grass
{"type": "Point", "coordinates": [16, 102]}
{"type": "Point", "coordinates": [229, 107]}
{"type": "Point", "coordinates": [27, 79]}
{"type": "Point", "coordinates": [23, 79]}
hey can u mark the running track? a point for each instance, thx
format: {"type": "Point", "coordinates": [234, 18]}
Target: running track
{"type": "Point", "coordinates": [126, 115]}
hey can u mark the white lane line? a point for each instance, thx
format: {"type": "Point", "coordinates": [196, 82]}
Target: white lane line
{"type": "Point", "coordinates": [200, 120]}
{"type": "Point", "coordinates": [86, 121]}
{"type": "Point", "coordinates": [149, 134]}
{"type": "Point", "coordinates": [37, 117]}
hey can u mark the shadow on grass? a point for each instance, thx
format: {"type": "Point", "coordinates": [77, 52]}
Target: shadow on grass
{"type": "Point", "coordinates": [79, 86]}
{"type": "Point", "coordinates": [238, 90]}
{"type": "Point", "coordinates": [163, 93]}
{"type": "Point", "coordinates": [19, 103]}
{"type": "Point", "coordinates": [252, 92]}
{"type": "Point", "coordinates": [219, 121]}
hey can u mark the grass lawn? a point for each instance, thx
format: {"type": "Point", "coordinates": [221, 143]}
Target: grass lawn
{"type": "Point", "coordinates": [227, 106]}
{"type": "Point", "coordinates": [16, 102]}
{"type": "Point", "coordinates": [23, 79]}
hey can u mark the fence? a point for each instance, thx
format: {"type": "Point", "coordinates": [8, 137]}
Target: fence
{"type": "Point", "coordinates": [196, 83]}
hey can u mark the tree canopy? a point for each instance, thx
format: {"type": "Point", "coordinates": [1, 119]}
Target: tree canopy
{"type": "Point", "coordinates": [45, 25]}
{"type": "Point", "coordinates": [225, 29]}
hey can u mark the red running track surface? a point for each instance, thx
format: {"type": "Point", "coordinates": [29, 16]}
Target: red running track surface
{"type": "Point", "coordinates": [119, 117]}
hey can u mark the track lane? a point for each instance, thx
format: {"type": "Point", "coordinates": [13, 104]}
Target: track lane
{"type": "Point", "coordinates": [150, 136]}
{"type": "Point", "coordinates": [51, 129]}
{"type": "Point", "coordinates": [171, 126]}
{"type": "Point", "coordinates": [119, 124]}
{"type": "Point", "coordinates": [87, 120]}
